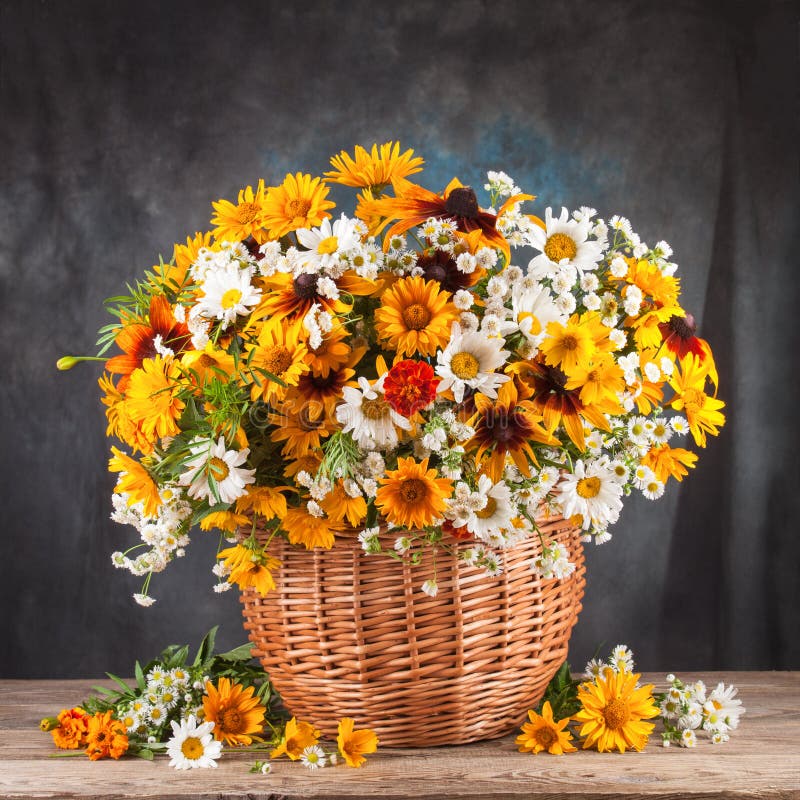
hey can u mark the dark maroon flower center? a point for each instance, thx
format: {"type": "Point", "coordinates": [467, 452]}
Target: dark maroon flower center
{"type": "Point", "coordinates": [462, 202]}
{"type": "Point", "coordinates": [685, 327]}
{"type": "Point", "coordinates": [305, 286]}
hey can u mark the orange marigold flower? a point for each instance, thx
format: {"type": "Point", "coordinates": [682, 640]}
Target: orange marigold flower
{"type": "Point", "coordinates": [410, 386]}
{"type": "Point", "coordinates": [72, 727]}
{"type": "Point", "coordinates": [353, 744]}
{"type": "Point", "coordinates": [105, 737]}
{"type": "Point", "coordinates": [237, 715]}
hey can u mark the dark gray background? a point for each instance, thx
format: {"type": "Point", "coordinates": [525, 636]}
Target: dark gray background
{"type": "Point", "coordinates": [120, 127]}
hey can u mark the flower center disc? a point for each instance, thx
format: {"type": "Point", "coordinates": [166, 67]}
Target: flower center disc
{"type": "Point", "coordinates": [277, 359]}
{"type": "Point", "coordinates": [616, 714]}
{"type": "Point", "coordinates": [559, 246]}
{"type": "Point", "coordinates": [328, 246]}
{"type": "Point", "coordinates": [218, 469]}
{"type": "Point", "coordinates": [464, 365]}
{"type": "Point", "coordinates": [488, 509]}
{"type": "Point", "coordinates": [462, 202]}
{"type": "Point", "coordinates": [569, 342]}
{"type": "Point", "coordinates": [546, 736]}
{"type": "Point", "coordinates": [192, 748]}
{"type": "Point", "coordinates": [375, 408]}
{"type": "Point", "coordinates": [416, 316]}
{"type": "Point", "coordinates": [588, 487]}
{"type": "Point", "coordinates": [297, 208]}
{"type": "Point", "coordinates": [412, 490]}
{"type": "Point", "coordinates": [247, 212]}
{"type": "Point", "coordinates": [206, 360]}
{"type": "Point", "coordinates": [230, 298]}
{"type": "Point", "coordinates": [232, 721]}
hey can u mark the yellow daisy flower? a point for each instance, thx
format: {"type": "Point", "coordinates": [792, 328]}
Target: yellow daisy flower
{"type": "Point", "coordinates": [666, 461]}
{"type": "Point", "coordinates": [353, 744]}
{"type": "Point", "coordinates": [568, 346]}
{"type": "Point", "coordinates": [415, 317]}
{"type": "Point", "coordinates": [299, 202]}
{"type": "Point", "coordinates": [599, 380]}
{"type": "Point", "coordinates": [702, 412]}
{"type": "Point", "coordinates": [135, 481]}
{"type": "Point", "coordinates": [306, 529]}
{"type": "Point", "coordinates": [340, 506]}
{"type": "Point", "coordinates": [152, 401]}
{"type": "Point", "coordinates": [183, 255]}
{"type": "Point", "coordinates": [544, 733]}
{"type": "Point", "coordinates": [268, 501]}
{"type": "Point", "coordinates": [247, 218]}
{"type": "Point", "coordinates": [279, 351]}
{"type": "Point", "coordinates": [208, 363]}
{"type": "Point", "coordinates": [376, 169]}
{"type": "Point", "coordinates": [249, 567]}
{"type": "Point", "coordinates": [300, 425]}
{"type": "Point", "coordinates": [224, 521]}
{"type": "Point", "coordinates": [613, 710]}
{"type": "Point", "coordinates": [296, 737]}
{"type": "Point", "coordinates": [412, 496]}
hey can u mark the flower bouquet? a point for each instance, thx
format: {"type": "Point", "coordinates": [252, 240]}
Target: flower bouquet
{"type": "Point", "coordinates": [399, 431]}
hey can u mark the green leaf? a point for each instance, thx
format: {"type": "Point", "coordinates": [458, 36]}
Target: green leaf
{"type": "Point", "coordinates": [144, 753]}
{"type": "Point", "coordinates": [206, 648]}
{"type": "Point", "coordinates": [140, 680]}
{"type": "Point", "coordinates": [125, 688]}
{"type": "Point", "coordinates": [244, 652]}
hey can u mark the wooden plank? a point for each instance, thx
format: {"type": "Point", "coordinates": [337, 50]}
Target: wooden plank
{"type": "Point", "coordinates": [760, 761]}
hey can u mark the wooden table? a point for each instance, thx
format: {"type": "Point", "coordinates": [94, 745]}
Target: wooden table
{"type": "Point", "coordinates": [761, 760]}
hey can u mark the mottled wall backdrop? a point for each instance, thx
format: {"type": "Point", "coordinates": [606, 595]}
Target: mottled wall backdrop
{"type": "Point", "coordinates": [121, 122]}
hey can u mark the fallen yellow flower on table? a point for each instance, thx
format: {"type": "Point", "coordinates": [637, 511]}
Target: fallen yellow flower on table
{"type": "Point", "coordinates": [353, 744]}
{"type": "Point", "coordinates": [612, 711]}
{"type": "Point", "coordinates": [545, 733]}
{"type": "Point", "coordinates": [296, 737]}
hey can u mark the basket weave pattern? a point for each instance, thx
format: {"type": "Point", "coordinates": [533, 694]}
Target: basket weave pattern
{"type": "Point", "coordinates": [348, 634]}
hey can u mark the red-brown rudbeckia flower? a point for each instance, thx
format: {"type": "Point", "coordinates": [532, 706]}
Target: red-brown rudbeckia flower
{"type": "Point", "coordinates": [137, 339]}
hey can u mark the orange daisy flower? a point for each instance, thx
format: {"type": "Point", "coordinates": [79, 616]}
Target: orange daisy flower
{"type": "Point", "coordinates": [105, 737]}
{"type": "Point", "coordinates": [237, 715]}
{"type": "Point", "coordinates": [415, 317]}
{"type": "Point", "coordinates": [412, 495]}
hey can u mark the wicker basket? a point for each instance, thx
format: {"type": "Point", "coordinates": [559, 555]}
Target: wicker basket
{"type": "Point", "coordinates": [347, 634]}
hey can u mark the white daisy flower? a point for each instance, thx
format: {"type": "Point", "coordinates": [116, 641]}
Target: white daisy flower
{"type": "Point", "coordinates": [496, 513]}
{"type": "Point", "coordinates": [533, 309]}
{"type": "Point", "coordinates": [653, 489]}
{"type": "Point", "coordinates": [722, 711]}
{"type": "Point", "coordinates": [563, 241]}
{"type": "Point", "coordinates": [313, 757]}
{"type": "Point", "coordinates": [227, 293]}
{"type": "Point", "coordinates": [622, 658]}
{"type": "Point", "coordinates": [688, 738]}
{"type": "Point", "coordinates": [430, 587]}
{"type": "Point", "coordinates": [193, 745]}
{"type": "Point", "coordinates": [215, 462]}
{"type": "Point", "coordinates": [679, 425]}
{"type": "Point", "coordinates": [594, 667]}
{"type": "Point", "coordinates": [470, 360]}
{"type": "Point", "coordinates": [368, 416]}
{"type": "Point", "coordinates": [326, 244]}
{"type": "Point", "coordinates": [592, 491]}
